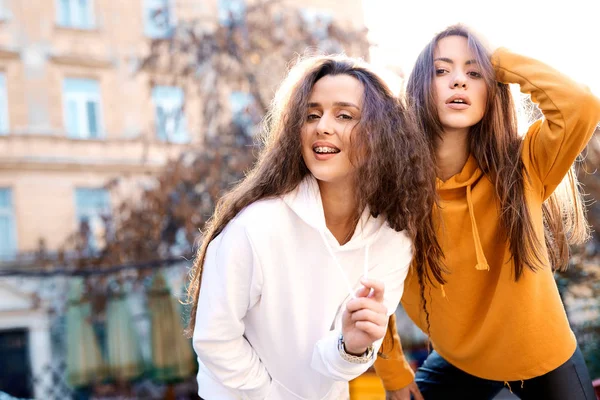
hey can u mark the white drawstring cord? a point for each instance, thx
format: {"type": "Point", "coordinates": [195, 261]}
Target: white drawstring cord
{"type": "Point", "coordinates": [337, 264]}
{"type": "Point", "coordinates": [366, 262]}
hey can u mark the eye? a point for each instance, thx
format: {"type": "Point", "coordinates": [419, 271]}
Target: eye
{"type": "Point", "coordinates": [345, 116]}
{"type": "Point", "coordinates": [313, 116]}
{"type": "Point", "coordinates": [440, 71]}
{"type": "Point", "coordinates": [475, 74]}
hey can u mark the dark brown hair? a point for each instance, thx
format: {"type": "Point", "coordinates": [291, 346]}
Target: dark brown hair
{"type": "Point", "coordinates": [496, 145]}
{"type": "Point", "coordinates": [396, 175]}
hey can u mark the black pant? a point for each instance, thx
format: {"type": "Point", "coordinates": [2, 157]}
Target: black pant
{"type": "Point", "coordinates": [438, 379]}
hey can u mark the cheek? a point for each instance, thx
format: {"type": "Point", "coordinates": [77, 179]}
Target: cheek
{"type": "Point", "coordinates": [305, 145]}
{"type": "Point", "coordinates": [304, 135]}
{"type": "Point", "coordinates": [437, 89]}
{"type": "Point", "coordinates": [483, 100]}
{"type": "Point", "coordinates": [483, 93]}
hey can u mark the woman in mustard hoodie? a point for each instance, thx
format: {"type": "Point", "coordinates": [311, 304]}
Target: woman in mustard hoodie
{"type": "Point", "coordinates": [496, 318]}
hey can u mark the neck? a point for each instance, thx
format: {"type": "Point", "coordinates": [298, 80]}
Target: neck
{"type": "Point", "coordinates": [339, 207]}
{"type": "Point", "coordinates": [452, 152]}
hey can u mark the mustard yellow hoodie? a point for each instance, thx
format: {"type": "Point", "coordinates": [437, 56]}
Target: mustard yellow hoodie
{"type": "Point", "coordinates": [487, 324]}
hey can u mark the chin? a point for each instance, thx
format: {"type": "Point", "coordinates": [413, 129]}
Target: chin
{"type": "Point", "coordinates": [324, 178]}
{"type": "Point", "coordinates": [457, 125]}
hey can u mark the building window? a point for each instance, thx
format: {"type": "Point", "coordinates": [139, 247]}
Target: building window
{"type": "Point", "coordinates": [93, 210]}
{"type": "Point", "coordinates": [244, 113]}
{"type": "Point", "coordinates": [4, 11]}
{"type": "Point", "coordinates": [76, 13]}
{"type": "Point", "coordinates": [231, 11]}
{"type": "Point", "coordinates": [8, 234]}
{"type": "Point", "coordinates": [3, 106]}
{"type": "Point", "coordinates": [82, 108]}
{"type": "Point", "coordinates": [317, 21]}
{"type": "Point", "coordinates": [158, 18]}
{"type": "Point", "coordinates": [171, 125]}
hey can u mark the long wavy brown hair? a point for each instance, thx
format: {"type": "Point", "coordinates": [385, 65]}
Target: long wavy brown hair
{"type": "Point", "coordinates": [496, 145]}
{"type": "Point", "coordinates": [395, 176]}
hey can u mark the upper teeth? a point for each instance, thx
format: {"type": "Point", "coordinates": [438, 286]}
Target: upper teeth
{"type": "Point", "coordinates": [326, 150]}
{"type": "Point", "coordinates": [458, 101]}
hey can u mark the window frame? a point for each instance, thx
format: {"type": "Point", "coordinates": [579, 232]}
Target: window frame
{"type": "Point", "coordinates": [82, 97]}
{"type": "Point", "coordinates": [151, 30]}
{"type": "Point", "coordinates": [8, 211]}
{"type": "Point", "coordinates": [75, 11]}
{"type": "Point", "coordinates": [173, 98]}
{"type": "Point", "coordinates": [92, 213]}
{"type": "Point", "coordinates": [238, 7]}
{"type": "Point", "coordinates": [4, 115]}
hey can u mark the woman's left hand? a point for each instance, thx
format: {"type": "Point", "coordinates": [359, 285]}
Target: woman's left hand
{"type": "Point", "coordinates": [365, 318]}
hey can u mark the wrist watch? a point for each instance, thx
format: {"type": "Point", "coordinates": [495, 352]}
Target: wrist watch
{"type": "Point", "coordinates": [362, 359]}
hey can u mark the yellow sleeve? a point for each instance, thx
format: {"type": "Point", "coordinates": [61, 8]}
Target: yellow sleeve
{"type": "Point", "coordinates": [571, 113]}
{"type": "Point", "coordinates": [393, 370]}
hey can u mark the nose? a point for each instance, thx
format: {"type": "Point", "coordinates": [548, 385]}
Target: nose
{"type": "Point", "coordinates": [459, 80]}
{"type": "Point", "coordinates": [325, 125]}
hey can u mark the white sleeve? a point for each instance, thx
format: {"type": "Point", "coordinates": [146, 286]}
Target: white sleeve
{"type": "Point", "coordinates": [326, 357]}
{"type": "Point", "coordinates": [327, 360]}
{"type": "Point", "coordinates": [231, 284]}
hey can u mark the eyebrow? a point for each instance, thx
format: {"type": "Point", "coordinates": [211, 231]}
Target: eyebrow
{"type": "Point", "coordinates": [337, 104]}
{"type": "Point", "coordinates": [449, 61]}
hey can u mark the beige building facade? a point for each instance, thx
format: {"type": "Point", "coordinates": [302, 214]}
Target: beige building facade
{"type": "Point", "coordinates": [75, 113]}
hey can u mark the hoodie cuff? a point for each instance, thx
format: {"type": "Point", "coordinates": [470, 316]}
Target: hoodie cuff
{"type": "Point", "coordinates": [395, 373]}
{"type": "Point", "coordinates": [328, 361]}
{"type": "Point", "coordinates": [393, 369]}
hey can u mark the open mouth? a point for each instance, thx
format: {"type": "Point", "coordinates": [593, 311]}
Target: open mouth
{"type": "Point", "coordinates": [326, 150]}
{"type": "Point", "coordinates": [459, 99]}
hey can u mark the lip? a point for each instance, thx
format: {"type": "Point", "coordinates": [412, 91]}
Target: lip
{"type": "Point", "coordinates": [324, 144]}
{"type": "Point", "coordinates": [457, 106]}
{"type": "Point", "coordinates": [327, 156]}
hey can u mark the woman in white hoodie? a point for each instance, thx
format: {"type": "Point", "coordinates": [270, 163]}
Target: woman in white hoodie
{"type": "Point", "coordinates": [287, 292]}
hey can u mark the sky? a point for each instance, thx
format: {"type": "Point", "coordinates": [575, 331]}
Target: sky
{"type": "Point", "coordinates": [563, 34]}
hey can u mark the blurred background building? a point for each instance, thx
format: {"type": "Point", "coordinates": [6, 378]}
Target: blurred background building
{"type": "Point", "coordinates": [77, 112]}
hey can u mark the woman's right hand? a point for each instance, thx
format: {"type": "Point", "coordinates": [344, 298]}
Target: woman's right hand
{"type": "Point", "coordinates": [365, 318]}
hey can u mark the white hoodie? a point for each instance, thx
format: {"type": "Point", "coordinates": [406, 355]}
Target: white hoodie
{"type": "Point", "coordinates": [274, 287]}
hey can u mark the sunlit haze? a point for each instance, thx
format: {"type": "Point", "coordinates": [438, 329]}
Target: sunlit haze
{"type": "Point", "coordinates": [564, 34]}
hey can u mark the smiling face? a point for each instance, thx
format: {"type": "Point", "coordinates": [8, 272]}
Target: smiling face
{"type": "Point", "coordinates": [334, 110]}
{"type": "Point", "coordinates": [460, 91]}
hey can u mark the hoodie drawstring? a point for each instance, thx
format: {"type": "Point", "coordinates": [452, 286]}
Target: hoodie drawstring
{"type": "Point", "coordinates": [339, 266]}
{"type": "Point", "coordinates": [482, 263]}
{"type": "Point", "coordinates": [366, 262]}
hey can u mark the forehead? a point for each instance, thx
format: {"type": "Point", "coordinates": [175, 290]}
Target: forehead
{"type": "Point", "coordinates": [453, 47]}
{"type": "Point", "coordinates": [337, 88]}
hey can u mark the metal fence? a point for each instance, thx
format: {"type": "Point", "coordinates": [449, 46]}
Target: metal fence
{"type": "Point", "coordinates": [47, 380]}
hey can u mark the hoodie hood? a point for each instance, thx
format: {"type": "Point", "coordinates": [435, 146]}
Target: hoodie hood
{"type": "Point", "coordinates": [306, 202]}
{"type": "Point", "coordinates": [469, 174]}
{"type": "Point", "coordinates": [466, 178]}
